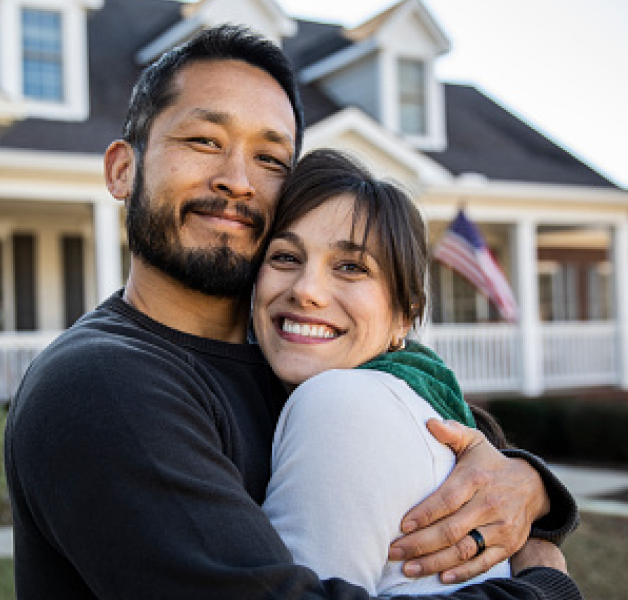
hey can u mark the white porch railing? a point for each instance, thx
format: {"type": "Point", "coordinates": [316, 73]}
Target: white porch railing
{"type": "Point", "coordinates": [486, 358]}
{"type": "Point", "coordinates": [580, 354]}
{"type": "Point", "coordinates": [17, 350]}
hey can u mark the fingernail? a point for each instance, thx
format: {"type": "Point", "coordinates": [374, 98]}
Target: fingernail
{"type": "Point", "coordinates": [448, 578]}
{"type": "Point", "coordinates": [413, 570]}
{"type": "Point", "coordinates": [396, 554]}
{"type": "Point", "coordinates": [408, 526]}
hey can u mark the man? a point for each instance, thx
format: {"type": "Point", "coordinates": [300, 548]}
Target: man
{"type": "Point", "coordinates": [138, 445]}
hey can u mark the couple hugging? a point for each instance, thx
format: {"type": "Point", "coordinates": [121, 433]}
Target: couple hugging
{"type": "Point", "coordinates": [139, 444]}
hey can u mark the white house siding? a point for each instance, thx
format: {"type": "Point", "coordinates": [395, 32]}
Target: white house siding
{"type": "Point", "coordinates": [353, 85]}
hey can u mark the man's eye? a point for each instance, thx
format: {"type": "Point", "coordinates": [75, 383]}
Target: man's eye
{"type": "Point", "coordinates": [275, 162]}
{"type": "Point", "coordinates": [203, 141]}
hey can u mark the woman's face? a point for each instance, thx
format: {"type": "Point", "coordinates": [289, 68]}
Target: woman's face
{"type": "Point", "coordinates": [320, 302]}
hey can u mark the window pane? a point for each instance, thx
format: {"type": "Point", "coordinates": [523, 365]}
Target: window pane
{"type": "Point", "coordinates": [24, 281]}
{"type": "Point", "coordinates": [73, 278]}
{"type": "Point", "coordinates": [42, 55]}
{"type": "Point", "coordinates": [412, 104]}
{"type": "Point", "coordinates": [2, 303]}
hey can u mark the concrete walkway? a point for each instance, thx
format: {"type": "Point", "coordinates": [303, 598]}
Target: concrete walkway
{"type": "Point", "coordinates": [586, 484]}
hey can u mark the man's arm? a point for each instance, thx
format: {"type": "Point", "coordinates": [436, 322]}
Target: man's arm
{"type": "Point", "coordinates": [127, 477]}
{"type": "Point", "coordinates": [501, 497]}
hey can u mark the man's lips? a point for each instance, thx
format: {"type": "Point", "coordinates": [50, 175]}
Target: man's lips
{"type": "Point", "coordinates": [305, 329]}
{"type": "Point", "coordinates": [228, 218]}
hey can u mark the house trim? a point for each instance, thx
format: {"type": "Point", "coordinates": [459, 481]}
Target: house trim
{"type": "Point", "coordinates": [353, 119]}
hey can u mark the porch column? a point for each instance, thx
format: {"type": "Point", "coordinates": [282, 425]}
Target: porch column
{"type": "Point", "coordinates": [620, 276]}
{"type": "Point", "coordinates": [108, 245]}
{"type": "Point", "coordinates": [528, 296]}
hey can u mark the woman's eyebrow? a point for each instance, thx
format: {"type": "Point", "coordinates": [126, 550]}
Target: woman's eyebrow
{"type": "Point", "coordinates": [291, 237]}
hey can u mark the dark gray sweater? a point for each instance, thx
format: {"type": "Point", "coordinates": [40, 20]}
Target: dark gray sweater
{"type": "Point", "coordinates": [137, 457]}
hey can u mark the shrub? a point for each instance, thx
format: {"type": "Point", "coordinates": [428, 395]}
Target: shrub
{"type": "Point", "coordinates": [569, 430]}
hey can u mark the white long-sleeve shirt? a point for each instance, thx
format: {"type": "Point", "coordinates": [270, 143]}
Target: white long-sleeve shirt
{"type": "Point", "coordinates": [351, 456]}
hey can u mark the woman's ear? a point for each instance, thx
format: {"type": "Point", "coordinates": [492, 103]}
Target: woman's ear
{"type": "Point", "coordinates": [120, 169]}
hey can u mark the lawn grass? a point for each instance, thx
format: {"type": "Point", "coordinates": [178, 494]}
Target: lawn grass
{"type": "Point", "coordinates": [597, 556]}
{"type": "Point", "coordinates": [7, 587]}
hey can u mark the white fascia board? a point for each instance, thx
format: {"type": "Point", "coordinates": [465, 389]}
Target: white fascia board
{"type": "Point", "coordinates": [402, 14]}
{"type": "Point", "coordinates": [338, 60]}
{"type": "Point", "coordinates": [287, 26]}
{"type": "Point", "coordinates": [352, 119]}
{"type": "Point", "coordinates": [169, 39]}
{"type": "Point", "coordinates": [187, 27]}
{"type": "Point", "coordinates": [535, 192]}
{"type": "Point", "coordinates": [93, 4]}
{"type": "Point", "coordinates": [51, 162]}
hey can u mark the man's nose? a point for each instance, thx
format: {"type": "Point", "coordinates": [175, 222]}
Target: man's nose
{"type": "Point", "coordinates": [233, 178]}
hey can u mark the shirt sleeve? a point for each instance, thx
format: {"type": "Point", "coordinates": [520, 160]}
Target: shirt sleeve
{"type": "Point", "coordinates": [351, 456]}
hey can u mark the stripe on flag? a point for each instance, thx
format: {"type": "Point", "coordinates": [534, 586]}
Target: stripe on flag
{"type": "Point", "coordinates": [463, 249]}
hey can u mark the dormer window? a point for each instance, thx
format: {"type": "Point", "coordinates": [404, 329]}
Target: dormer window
{"type": "Point", "coordinates": [412, 97]}
{"type": "Point", "coordinates": [42, 55]}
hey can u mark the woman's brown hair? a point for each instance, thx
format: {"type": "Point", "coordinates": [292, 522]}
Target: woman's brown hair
{"type": "Point", "coordinates": [390, 216]}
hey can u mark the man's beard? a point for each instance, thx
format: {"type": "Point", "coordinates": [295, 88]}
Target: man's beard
{"type": "Point", "coordinates": [217, 271]}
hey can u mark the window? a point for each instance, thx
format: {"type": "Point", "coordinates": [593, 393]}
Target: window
{"type": "Point", "coordinates": [455, 300]}
{"type": "Point", "coordinates": [412, 97]}
{"type": "Point", "coordinates": [558, 291]}
{"type": "Point", "coordinates": [42, 55]}
{"type": "Point", "coordinates": [73, 278]}
{"type": "Point", "coordinates": [599, 290]}
{"type": "Point", "coordinates": [24, 281]}
{"type": "Point", "coordinates": [2, 307]}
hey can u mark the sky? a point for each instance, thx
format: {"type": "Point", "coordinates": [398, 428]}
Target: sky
{"type": "Point", "coordinates": [560, 65]}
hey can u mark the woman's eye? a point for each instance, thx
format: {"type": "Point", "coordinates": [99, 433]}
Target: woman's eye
{"type": "Point", "coordinates": [353, 268]}
{"type": "Point", "coordinates": [283, 258]}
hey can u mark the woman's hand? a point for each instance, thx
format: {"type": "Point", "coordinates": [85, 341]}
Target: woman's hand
{"type": "Point", "coordinates": [498, 496]}
{"type": "Point", "coordinates": [538, 553]}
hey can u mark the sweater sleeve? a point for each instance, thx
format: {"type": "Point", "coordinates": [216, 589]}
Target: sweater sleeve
{"type": "Point", "coordinates": [563, 517]}
{"type": "Point", "coordinates": [123, 486]}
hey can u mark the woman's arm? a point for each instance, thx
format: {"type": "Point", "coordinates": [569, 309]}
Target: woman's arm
{"type": "Point", "coordinates": [351, 456]}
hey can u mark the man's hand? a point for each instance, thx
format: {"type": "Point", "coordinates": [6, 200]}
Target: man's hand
{"type": "Point", "coordinates": [538, 553]}
{"type": "Point", "coordinates": [498, 496]}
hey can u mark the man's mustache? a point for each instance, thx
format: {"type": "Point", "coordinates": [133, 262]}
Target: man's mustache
{"type": "Point", "coordinates": [219, 205]}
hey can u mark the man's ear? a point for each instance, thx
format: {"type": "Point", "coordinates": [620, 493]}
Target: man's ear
{"type": "Point", "coordinates": [120, 169]}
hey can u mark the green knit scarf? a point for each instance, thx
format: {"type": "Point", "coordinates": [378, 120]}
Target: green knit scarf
{"type": "Point", "coordinates": [426, 373]}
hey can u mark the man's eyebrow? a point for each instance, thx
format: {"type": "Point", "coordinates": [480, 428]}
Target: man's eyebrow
{"type": "Point", "coordinates": [223, 118]}
{"type": "Point", "coordinates": [279, 138]}
{"type": "Point", "coordinates": [212, 116]}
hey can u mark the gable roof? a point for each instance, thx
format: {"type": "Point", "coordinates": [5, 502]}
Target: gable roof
{"type": "Point", "coordinates": [482, 136]}
{"type": "Point", "coordinates": [485, 138]}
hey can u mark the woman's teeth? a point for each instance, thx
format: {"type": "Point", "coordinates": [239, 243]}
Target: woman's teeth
{"type": "Point", "coordinates": [306, 330]}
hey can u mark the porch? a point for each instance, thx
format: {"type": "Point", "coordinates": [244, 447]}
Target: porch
{"type": "Point", "coordinates": [487, 358]}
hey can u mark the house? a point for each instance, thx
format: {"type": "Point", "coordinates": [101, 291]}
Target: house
{"type": "Point", "coordinates": [558, 228]}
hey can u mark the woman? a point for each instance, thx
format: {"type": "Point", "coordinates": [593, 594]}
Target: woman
{"type": "Point", "coordinates": [342, 282]}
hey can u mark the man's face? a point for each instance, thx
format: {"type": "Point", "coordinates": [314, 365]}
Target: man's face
{"type": "Point", "coordinates": [203, 197]}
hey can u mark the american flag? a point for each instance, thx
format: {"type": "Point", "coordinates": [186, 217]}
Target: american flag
{"type": "Point", "coordinates": [463, 248]}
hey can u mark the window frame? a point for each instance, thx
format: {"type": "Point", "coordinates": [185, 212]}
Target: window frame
{"type": "Point", "coordinates": [73, 14]}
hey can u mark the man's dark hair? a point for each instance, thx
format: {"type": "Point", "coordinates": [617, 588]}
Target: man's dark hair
{"type": "Point", "coordinates": [154, 91]}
